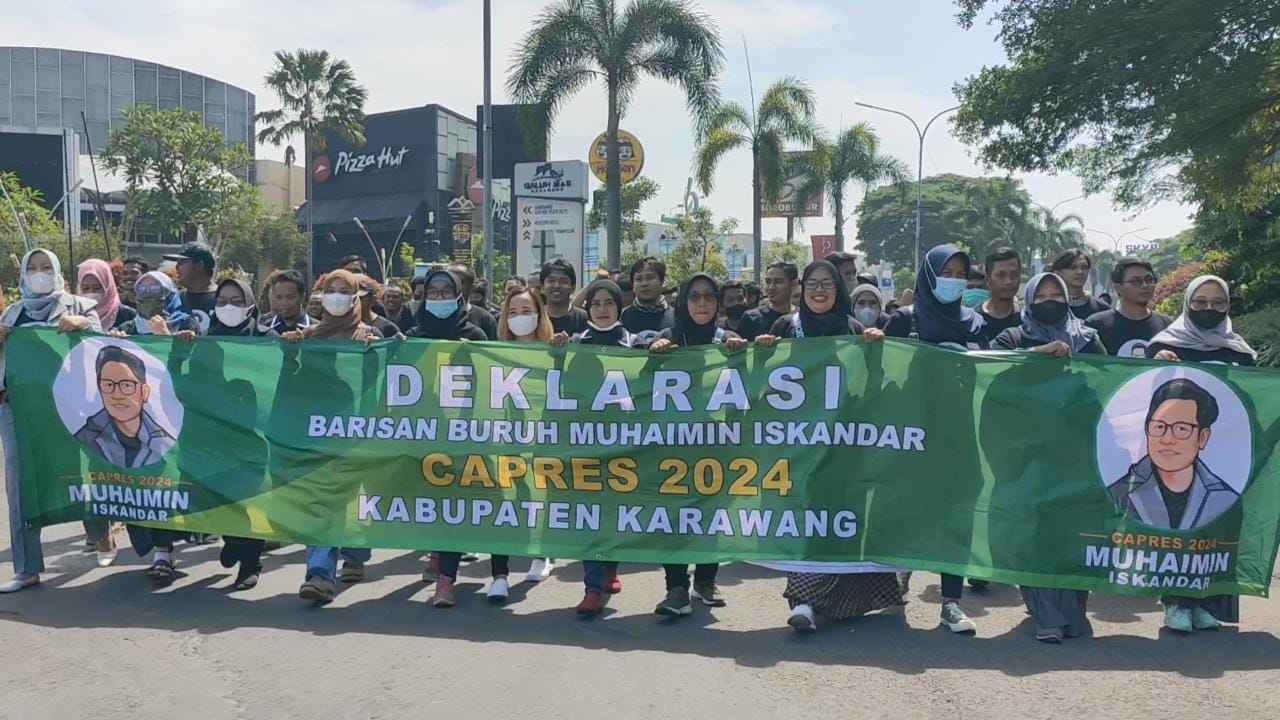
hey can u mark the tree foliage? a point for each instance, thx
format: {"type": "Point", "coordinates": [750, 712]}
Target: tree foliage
{"type": "Point", "coordinates": [785, 116]}
{"type": "Point", "coordinates": [781, 250]}
{"type": "Point", "coordinates": [574, 43]}
{"type": "Point", "coordinates": [179, 173]}
{"type": "Point", "coordinates": [976, 214]}
{"type": "Point", "coordinates": [854, 157]}
{"type": "Point", "coordinates": [255, 238]}
{"type": "Point", "coordinates": [37, 227]}
{"type": "Point", "coordinates": [1150, 98]}
{"type": "Point", "coordinates": [634, 195]}
{"type": "Point", "coordinates": [700, 246]}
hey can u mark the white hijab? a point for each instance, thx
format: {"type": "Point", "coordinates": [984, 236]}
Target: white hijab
{"type": "Point", "coordinates": [1185, 334]}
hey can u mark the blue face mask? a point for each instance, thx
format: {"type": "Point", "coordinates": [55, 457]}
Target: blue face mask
{"type": "Point", "coordinates": [442, 309]}
{"type": "Point", "coordinates": [949, 290]}
{"type": "Point", "coordinates": [867, 316]}
{"type": "Point", "coordinates": [973, 297]}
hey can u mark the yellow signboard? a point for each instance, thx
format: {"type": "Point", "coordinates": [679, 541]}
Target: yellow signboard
{"type": "Point", "coordinates": [630, 156]}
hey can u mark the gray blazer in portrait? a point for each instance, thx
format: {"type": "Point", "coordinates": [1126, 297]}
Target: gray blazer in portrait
{"type": "Point", "coordinates": [99, 435]}
{"type": "Point", "coordinates": [1138, 495]}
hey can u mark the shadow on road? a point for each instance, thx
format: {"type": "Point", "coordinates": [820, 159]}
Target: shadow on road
{"type": "Point", "coordinates": [126, 600]}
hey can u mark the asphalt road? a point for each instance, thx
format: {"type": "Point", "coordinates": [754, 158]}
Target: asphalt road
{"type": "Point", "coordinates": [93, 643]}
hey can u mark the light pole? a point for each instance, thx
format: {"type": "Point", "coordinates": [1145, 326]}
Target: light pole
{"type": "Point", "coordinates": [487, 142]}
{"type": "Point", "coordinates": [1115, 239]}
{"type": "Point", "coordinates": [382, 266]}
{"type": "Point", "coordinates": [915, 265]}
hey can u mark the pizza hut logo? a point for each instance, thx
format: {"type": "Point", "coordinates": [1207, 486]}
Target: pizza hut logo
{"type": "Point", "coordinates": [321, 168]}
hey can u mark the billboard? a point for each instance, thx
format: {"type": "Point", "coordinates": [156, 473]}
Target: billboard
{"type": "Point", "coordinates": [630, 156]}
{"type": "Point", "coordinates": [398, 153]}
{"type": "Point", "coordinates": [789, 203]}
{"type": "Point", "coordinates": [47, 161]}
{"type": "Point", "coordinates": [518, 137]}
{"type": "Point", "coordinates": [562, 180]}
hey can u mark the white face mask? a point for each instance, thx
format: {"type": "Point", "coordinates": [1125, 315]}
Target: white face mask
{"type": "Point", "coordinates": [230, 315]}
{"type": "Point", "coordinates": [95, 297]}
{"type": "Point", "coordinates": [337, 304]}
{"type": "Point", "coordinates": [521, 325]}
{"type": "Point", "coordinates": [41, 283]}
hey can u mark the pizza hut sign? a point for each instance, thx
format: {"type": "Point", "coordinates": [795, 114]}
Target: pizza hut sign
{"type": "Point", "coordinates": [350, 162]}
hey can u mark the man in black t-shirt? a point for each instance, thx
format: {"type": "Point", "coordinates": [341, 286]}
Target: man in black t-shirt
{"type": "Point", "coordinates": [477, 316]}
{"type": "Point", "coordinates": [1126, 330]}
{"type": "Point", "coordinates": [733, 300]}
{"type": "Point", "coordinates": [195, 272]}
{"type": "Point", "coordinates": [559, 281]}
{"type": "Point", "coordinates": [1073, 266]}
{"type": "Point", "coordinates": [780, 281]}
{"type": "Point", "coordinates": [649, 314]}
{"type": "Point", "coordinates": [1004, 277]}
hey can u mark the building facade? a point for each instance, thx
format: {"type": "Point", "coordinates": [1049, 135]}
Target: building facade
{"type": "Point", "coordinates": [397, 188]}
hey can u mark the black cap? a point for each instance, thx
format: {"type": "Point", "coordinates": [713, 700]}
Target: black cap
{"type": "Point", "coordinates": [195, 252]}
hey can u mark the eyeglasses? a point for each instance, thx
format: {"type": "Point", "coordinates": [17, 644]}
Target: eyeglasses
{"type": "Point", "coordinates": [156, 291]}
{"type": "Point", "coordinates": [702, 297]}
{"type": "Point", "coordinates": [1148, 281]}
{"type": "Point", "coordinates": [126, 387]}
{"type": "Point", "coordinates": [819, 284]}
{"type": "Point", "coordinates": [1220, 305]}
{"type": "Point", "coordinates": [434, 294]}
{"type": "Point", "coordinates": [1181, 430]}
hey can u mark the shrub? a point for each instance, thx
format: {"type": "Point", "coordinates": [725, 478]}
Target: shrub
{"type": "Point", "coordinates": [1262, 330]}
{"type": "Point", "coordinates": [1168, 297]}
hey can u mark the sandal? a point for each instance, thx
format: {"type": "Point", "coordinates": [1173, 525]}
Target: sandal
{"type": "Point", "coordinates": [161, 572]}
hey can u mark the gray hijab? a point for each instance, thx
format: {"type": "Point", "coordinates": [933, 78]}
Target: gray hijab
{"type": "Point", "coordinates": [1183, 333]}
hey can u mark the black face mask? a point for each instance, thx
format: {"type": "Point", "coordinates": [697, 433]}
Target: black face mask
{"type": "Point", "coordinates": [735, 312]}
{"type": "Point", "coordinates": [1206, 319]}
{"type": "Point", "coordinates": [1049, 312]}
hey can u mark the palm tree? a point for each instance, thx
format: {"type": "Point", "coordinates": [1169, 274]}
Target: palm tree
{"type": "Point", "coordinates": [993, 213]}
{"type": "Point", "coordinates": [855, 157]}
{"type": "Point", "coordinates": [318, 95]}
{"type": "Point", "coordinates": [575, 42]}
{"type": "Point", "coordinates": [785, 115]}
{"type": "Point", "coordinates": [1060, 233]}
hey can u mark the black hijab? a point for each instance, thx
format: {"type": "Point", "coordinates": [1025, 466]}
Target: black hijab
{"type": "Point", "coordinates": [251, 320]}
{"type": "Point", "coordinates": [834, 321]}
{"type": "Point", "coordinates": [613, 335]}
{"type": "Point", "coordinates": [432, 327]}
{"type": "Point", "coordinates": [686, 332]}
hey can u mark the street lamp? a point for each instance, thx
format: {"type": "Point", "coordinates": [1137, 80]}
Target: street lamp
{"type": "Point", "coordinates": [64, 197]}
{"type": "Point", "coordinates": [915, 265]}
{"type": "Point", "coordinates": [1115, 239]}
{"type": "Point", "coordinates": [382, 266]}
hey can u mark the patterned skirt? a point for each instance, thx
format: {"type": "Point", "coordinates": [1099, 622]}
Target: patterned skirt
{"type": "Point", "coordinates": [839, 597]}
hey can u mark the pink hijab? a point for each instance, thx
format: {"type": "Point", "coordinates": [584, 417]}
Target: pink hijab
{"type": "Point", "coordinates": [110, 303]}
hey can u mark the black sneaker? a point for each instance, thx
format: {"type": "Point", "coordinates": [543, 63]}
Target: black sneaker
{"type": "Point", "coordinates": [709, 594]}
{"type": "Point", "coordinates": [979, 584]}
{"type": "Point", "coordinates": [675, 604]}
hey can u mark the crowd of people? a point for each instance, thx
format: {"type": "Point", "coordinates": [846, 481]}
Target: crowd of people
{"type": "Point", "coordinates": [954, 303]}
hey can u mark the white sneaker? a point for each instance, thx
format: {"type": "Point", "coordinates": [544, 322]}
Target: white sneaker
{"type": "Point", "coordinates": [19, 583]}
{"type": "Point", "coordinates": [540, 570]}
{"type": "Point", "coordinates": [106, 557]}
{"type": "Point", "coordinates": [498, 590]}
{"type": "Point", "coordinates": [802, 619]}
{"type": "Point", "coordinates": [955, 619]}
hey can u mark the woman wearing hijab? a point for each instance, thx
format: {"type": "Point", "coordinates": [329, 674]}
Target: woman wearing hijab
{"type": "Point", "coordinates": [96, 282]}
{"type": "Point", "coordinates": [522, 318]}
{"type": "Point", "coordinates": [159, 308]}
{"type": "Point", "coordinates": [342, 309]}
{"type": "Point", "coordinates": [235, 314]}
{"type": "Point", "coordinates": [1202, 334]}
{"type": "Point", "coordinates": [697, 312]}
{"type": "Point", "coordinates": [43, 302]}
{"type": "Point", "coordinates": [603, 302]}
{"type": "Point", "coordinates": [869, 307]}
{"type": "Point", "coordinates": [1049, 327]}
{"type": "Point", "coordinates": [440, 316]}
{"type": "Point", "coordinates": [824, 309]}
{"type": "Point", "coordinates": [937, 315]}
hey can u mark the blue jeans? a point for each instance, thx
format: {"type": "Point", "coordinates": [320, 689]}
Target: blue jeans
{"type": "Point", "coordinates": [28, 556]}
{"type": "Point", "coordinates": [323, 561]}
{"type": "Point", "coordinates": [593, 573]}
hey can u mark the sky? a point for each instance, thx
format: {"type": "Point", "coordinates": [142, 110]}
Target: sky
{"type": "Point", "coordinates": [902, 54]}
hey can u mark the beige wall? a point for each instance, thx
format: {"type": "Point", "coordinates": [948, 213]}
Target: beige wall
{"type": "Point", "coordinates": [281, 187]}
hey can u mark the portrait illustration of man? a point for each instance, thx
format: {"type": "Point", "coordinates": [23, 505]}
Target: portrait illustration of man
{"type": "Point", "coordinates": [123, 432]}
{"type": "Point", "coordinates": [1171, 487]}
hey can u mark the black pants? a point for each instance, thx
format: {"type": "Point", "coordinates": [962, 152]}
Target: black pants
{"type": "Point", "coordinates": [952, 587]}
{"type": "Point", "coordinates": [678, 575]}
{"type": "Point", "coordinates": [247, 552]}
{"type": "Point", "coordinates": [500, 565]}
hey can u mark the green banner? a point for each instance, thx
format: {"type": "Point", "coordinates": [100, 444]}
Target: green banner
{"type": "Point", "coordinates": [1096, 473]}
